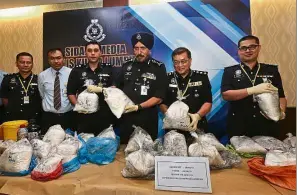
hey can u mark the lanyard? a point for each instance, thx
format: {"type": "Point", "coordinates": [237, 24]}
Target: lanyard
{"type": "Point", "coordinates": [252, 81]}
{"type": "Point", "coordinates": [26, 89]}
{"type": "Point", "coordinates": [180, 94]}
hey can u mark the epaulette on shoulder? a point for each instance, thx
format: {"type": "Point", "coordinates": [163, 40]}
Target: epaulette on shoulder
{"type": "Point", "coordinates": [156, 62]}
{"type": "Point", "coordinates": [232, 66]}
{"type": "Point", "coordinates": [170, 73]}
{"type": "Point", "coordinates": [200, 72]}
{"type": "Point", "coordinates": [79, 66]}
{"type": "Point", "coordinates": [129, 60]}
{"type": "Point", "coordinates": [106, 64]}
{"type": "Point", "coordinates": [271, 65]}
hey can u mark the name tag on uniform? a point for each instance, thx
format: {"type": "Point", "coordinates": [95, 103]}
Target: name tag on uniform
{"type": "Point", "coordinates": [143, 90]}
{"type": "Point", "coordinates": [193, 84]}
{"type": "Point", "coordinates": [172, 85]}
{"type": "Point", "coordinates": [26, 100]}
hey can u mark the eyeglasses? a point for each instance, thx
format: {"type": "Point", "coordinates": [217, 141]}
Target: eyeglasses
{"type": "Point", "coordinates": [182, 62]}
{"type": "Point", "coordinates": [250, 47]}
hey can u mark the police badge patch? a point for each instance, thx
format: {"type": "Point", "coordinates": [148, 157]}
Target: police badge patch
{"type": "Point", "coordinates": [138, 37]}
{"type": "Point", "coordinates": [83, 74]}
{"type": "Point", "coordinates": [237, 74]}
{"type": "Point", "coordinates": [129, 67]}
{"type": "Point", "coordinates": [173, 81]}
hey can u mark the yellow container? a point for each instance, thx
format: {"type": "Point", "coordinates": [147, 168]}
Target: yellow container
{"type": "Point", "coordinates": [10, 129]}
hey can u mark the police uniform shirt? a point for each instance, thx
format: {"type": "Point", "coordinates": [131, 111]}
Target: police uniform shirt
{"type": "Point", "coordinates": [142, 80]}
{"type": "Point", "coordinates": [197, 86]}
{"type": "Point", "coordinates": [19, 107]}
{"type": "Point", "coordinates": [82, 76]}
{"type": "Point", "coordinates": [246, 109]}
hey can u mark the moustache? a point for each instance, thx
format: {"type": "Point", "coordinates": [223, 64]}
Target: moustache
{"type": "Point", "coordinates": [139, 55]}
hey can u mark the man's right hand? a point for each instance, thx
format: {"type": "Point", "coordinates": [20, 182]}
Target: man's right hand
{"type": "Point", "coordinates": [94, 89]}
{"type": "Point", "coordinates": [261, 88]}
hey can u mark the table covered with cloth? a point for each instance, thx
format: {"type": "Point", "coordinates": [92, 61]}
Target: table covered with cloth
{"type": "Point", "coordinates": [93, 179]}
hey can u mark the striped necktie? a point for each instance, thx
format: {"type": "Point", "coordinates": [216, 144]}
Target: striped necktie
{"type": "Point", "coordinates": [57, 92]}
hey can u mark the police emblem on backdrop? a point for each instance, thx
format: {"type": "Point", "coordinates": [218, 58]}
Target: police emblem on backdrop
{"type": "Point", "coordinates": [94, 32]}
{"type": "Point", "coordinates": [237, 74]}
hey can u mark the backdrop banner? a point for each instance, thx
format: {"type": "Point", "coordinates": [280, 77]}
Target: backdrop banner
{"type": "Point", "coordinates": [210, 29]}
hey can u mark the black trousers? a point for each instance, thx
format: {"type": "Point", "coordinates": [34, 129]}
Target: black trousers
{"type": "Point", "coordinates": [66, 120]}
{"type": "Point", "coordinates": [146, 119]}
{"type": "Point", "coordinates": [94, 122]}
{"type": "Point", "coordinates": [251, 126]}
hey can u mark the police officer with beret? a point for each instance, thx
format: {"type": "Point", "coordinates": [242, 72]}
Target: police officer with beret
{"type": "Point", "coordinates": [240, 82]}
{"type": "Point", "coordinates": [143, 80]}
{"type": "Point", "coordinates": [91, 75]}
{"type": "Point", "coordinates": [190, 86]}
{"type": "Point", "coordinates": [19, 91]}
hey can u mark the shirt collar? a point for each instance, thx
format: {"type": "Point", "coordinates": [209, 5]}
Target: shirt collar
{"type": "Point", "coordinates": [28, 77]}
{"type": "Point", "coordinates": [60, 71]}
{"type": "Point", "coordinates": [98, 69]}
{"type": "Point", "coordinates": [246, 67]}
{"type": "Point", "coordinates": [179, 77]}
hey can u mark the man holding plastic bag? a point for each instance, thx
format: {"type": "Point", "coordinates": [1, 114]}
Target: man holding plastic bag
{"type": "Point", "coordinates": [143, 80]}
{"type": "Point", "coordinates": [241, 85]}
{"type": "Point", "coordinates": [190, 91]}
{"type": "Point", "coordinates": [93, 115]}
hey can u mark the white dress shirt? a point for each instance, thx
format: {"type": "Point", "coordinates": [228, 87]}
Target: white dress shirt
{"type": "Point", "coordinates": [46, 81]}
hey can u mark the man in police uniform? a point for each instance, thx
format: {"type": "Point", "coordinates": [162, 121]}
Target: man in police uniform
{"type": "Point", "coordinates": [240, 82]}
{"type": "Point", "coordinates": [190, 86]}
{"type": "Point", "coordinates": [143, 80]}
{"type": "Point", "coordinates": [19, 91]}
{"type": "Point", "coordinates": [94, 73]}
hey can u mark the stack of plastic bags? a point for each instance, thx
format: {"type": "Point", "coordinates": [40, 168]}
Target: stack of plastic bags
{"type": "Point", "coordinates": [206, 145]}
{"type": "Point", "coordinates": [140, 161]}
{"type": "Point", "coordinates": [278, 164]}
{"type": "Point", "coordinates": [102, 149]}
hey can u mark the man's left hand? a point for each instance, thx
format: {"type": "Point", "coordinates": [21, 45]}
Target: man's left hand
{"type": "Point", "coordinates": [132, 108]}
{"type": "Point", "coordinates": [195, 118]}
{"type": "Point", "coordinates": [282, 115]}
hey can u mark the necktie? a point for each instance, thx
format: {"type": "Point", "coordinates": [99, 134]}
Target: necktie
{"type": "Point", "coordinates": [57, 93]}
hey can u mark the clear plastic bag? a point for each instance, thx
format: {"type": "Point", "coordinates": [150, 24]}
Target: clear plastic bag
{"type": "Point", "coordinates": [68, 148]}
{"type": "Point", "coordinates": [139, 139]}
{"type": "Point", "coordinates": [244, 144]}
{"type": "Point", "coordinates": [269, 105]}
{"type": "Point", "coordinates": [212, 140]}
{"type": "Point", "coordinates": [177, 117]}
{"type": "Point", "coordinates": [48, 169]}
{"type": "Point", "coordinates": [175, 143]}
{"type": "Point", "coordinates": [270, 143]}
{"type": "Point", "coordinates": [108, 133]}
{"type": "Point", "coordinates": [203, 149]}
{"type": "Point", "coordinates": [41, 149]}
{"type": "Point", "coordinates": [117, 100]}
{"type": "Point", "coordinates": [231, 160]}
{"type": "Point", "coordinates": [139, 164]}
{"type": "Point", "coordinates": [17, 158]}
{"type": "Point", "coordinates": [5, 144]}
{"type": "Point", "coordinates": [290, 140]}
{"type": "Point", "coordinates": [86, 136]}
{"type": "Point", "coordinates": [55, 135]}
{"type": "Point", "coordinates": [280, 158]}
{"type": "Point", "coordinates": [87, 102]}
